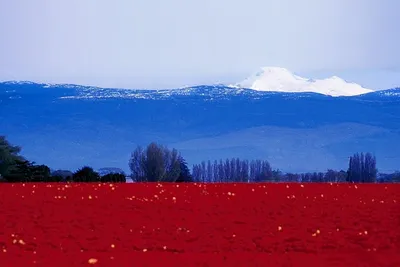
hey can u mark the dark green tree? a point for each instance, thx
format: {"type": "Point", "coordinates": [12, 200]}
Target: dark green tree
{"type": "Point", "coordinates": [19, 171]}
{"type": "Point", "coordinates": [86, 175]}
{"type": "Point", "coordinates": [184, 175]}
{"type": "Point", "coordinates": [113, 178]}
{"type": "Point", "coordinates": [9, 157]}
{"type": "Point", "coordinates": [41, 173]}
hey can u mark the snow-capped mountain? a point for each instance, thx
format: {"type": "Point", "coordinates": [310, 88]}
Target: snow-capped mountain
{"type": "Point", "coordinates": [282, 80]}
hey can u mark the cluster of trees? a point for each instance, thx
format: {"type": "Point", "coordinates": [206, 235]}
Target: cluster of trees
{"type": "Point", "coordinates": [15, 168]}
{"type": "Point", "coordinates": [236, 170]}
{"type": "Point", "coordinates": [87, 175]}
{"type": "Point", "coordinates": [157, 163]}
{"type": "Point", "coordinates": [233, 170]}
{"type": "Point", "coordinates": [362, 168]}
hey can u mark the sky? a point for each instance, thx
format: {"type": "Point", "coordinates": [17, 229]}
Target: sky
{"type": "Point", "coordinates": [173, 43]}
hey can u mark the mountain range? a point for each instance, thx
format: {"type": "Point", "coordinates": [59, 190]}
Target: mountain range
{"type": "Point", "coordinates": [297, 130]}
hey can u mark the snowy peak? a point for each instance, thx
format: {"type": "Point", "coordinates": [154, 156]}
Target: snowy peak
{"type": "Point", "coordinates": [282, 80]}
{"type": "Point", "coordinates": [277, 72]}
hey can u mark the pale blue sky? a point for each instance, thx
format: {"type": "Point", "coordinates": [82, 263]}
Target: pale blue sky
{"type": "Point", "coordinates": [170, 43]}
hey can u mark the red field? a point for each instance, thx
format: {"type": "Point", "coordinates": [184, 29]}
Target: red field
{"type": "Point", "coordinates": [199, 225]}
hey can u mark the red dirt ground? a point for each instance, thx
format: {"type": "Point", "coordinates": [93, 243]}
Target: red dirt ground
{"type": "Point", "coordinates": [199, 225]}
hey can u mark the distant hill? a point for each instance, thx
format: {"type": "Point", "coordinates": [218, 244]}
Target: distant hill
{"type": "Point", "coordinates": [69, 126]}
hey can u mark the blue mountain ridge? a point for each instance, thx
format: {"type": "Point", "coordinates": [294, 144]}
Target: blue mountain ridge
{"type": "Point", "coordinates": [68, 126]}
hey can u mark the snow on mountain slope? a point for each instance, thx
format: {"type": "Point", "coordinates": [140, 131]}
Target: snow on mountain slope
{"type": "Point", "coordinates": [282, 80]}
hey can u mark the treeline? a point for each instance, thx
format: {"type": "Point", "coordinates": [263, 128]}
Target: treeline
{"type": "Point", "coordinates": [157, 163]}
{"type": "Point", "coordinates": [362, 169]}
{"type": "Point", "coordinates": [15, 168]}
{"type": "Point", "coordinates": [236, 170]}
{"type": "Point", "coordinates": [389, 177]}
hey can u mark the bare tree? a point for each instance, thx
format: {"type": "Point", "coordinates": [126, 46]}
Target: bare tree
{"type": "Point", "coordinates": [156, 163]}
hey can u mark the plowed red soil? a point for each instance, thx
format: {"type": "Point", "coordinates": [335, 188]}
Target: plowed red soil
{"type": "Point", "coordinates": [199, 225]}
